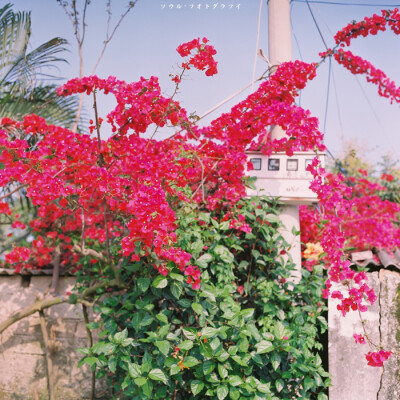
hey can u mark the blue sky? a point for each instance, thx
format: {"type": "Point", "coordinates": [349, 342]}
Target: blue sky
{"type": "Point", "coordinates": [145, 44]}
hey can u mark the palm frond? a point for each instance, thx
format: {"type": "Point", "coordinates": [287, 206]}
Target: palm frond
{"type": "Point", "coordinates": [15, 31]}
{"type": "Point", "coordinates": [41, 100]}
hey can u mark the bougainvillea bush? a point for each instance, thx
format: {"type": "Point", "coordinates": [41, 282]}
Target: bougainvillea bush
{"type": "Point", "coordinates": [158, 230]}
{"type": "Point", "coordinates": [247, 332]}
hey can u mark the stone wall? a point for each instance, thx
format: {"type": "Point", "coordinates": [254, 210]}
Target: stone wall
{"type": "Point", "coordinates": [22, 354]}
{"type": "Point", "coordinates": [353, 379]}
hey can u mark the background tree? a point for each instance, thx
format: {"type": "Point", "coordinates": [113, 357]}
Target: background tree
{"type": "Point", "coordinates": [25, 76]}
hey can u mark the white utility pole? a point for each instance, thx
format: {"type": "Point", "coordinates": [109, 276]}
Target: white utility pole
{"type": "Point", "coordinates": [279, 51]}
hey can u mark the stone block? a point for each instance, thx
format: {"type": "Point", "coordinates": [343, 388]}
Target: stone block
{"type": "Point", "coordinates": [352, 378]}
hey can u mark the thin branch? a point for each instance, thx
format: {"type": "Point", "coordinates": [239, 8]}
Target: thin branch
{"type": "Point", "coordinates": [109, 38]}
{"type": "Point", "coordinates": [56, 270]}
{"type": "Point", "coordinates": [49, 361]}
{"type": "Point", "coordinates": [90, 252]}
{"type": "Point", "coordinates": [90, 344]}
{"type": "Point", "coordinates": [13, 191]}
{"type": "Point", "coordinates": [202, 177]}
{"type": "Point", "coordinates": [203, 180]}
{"type": "Point", "coordinates": [97, 120]}
{"type": "Point", "coordinates": [83, 231]}
{"type": "Point", "coordinates": [52, 301]}
{"type": "Point", "coordinates": [84, 21]}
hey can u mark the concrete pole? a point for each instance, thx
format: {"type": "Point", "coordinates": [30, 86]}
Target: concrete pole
{"type": "Point", "coordinates": [279, 51]}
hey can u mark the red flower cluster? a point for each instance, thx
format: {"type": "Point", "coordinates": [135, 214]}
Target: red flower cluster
{"type": "Point", "coordinates": [125, 188]}
{"type": "Point", "coordinates": [203, 57]}
{"type": "Point", "coordinates": [359, 338]}
{"type": "Point", "coordinates": [357, 65]}
{"type": "Point", "coordinates": [376, 359]}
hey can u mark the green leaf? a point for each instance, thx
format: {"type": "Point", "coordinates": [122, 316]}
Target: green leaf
{"type": "Point", "coordinates": [308, 383]}
{"type": "Point", "coordinates": [174, 369]}
{"type": "Point", "coordinates": [264, 388]}
{"type": "Point", "coordinates": [146, 363]}
{"type": "Point", "coordinates": [240, 361]}
{"type": "Point", "coordinates": [254, 331]}
{"type": "Point", "coordinates": [206, 350]}
{"type": "Point", "coordinates": [185, 303]}
{"type": "Point", "coordinates": [279, 330]}
{"type": "Point", "coordinates": [91, 361]}
{"type": "Point", "coordinates": [279, 384]}
{"type": "Point", "coordinates": [232, 350]}
{"type": "Point", "coordinates": [208, 367]}
{"type": "Point", "coordinates": [148, 389]}
{"type": "Point", "coordinates": [190, 361]}
{"type": "Point", "coordinates": [224, 254]}
{"type": "Point", "coordinates": [120, 336]}
{"type": "Point", "coordinates": [198, 308]}
{"type": "Point", "coordinates": [209, 332]}
{"type": "Point", "coordinates": [140, 381]}
{"type": "Point", "coordinates": [103, 348]}
{"type": "Point", "coordinates": [177, 277]}
{"type": "Point", "coordinates": [243, 345]}
{"type": "Point", "coordinates": [146, 320]}
{"type": "Point", "coordinates": [203, 260]}
{"type": "Point", "coordinates": [84, 350]}
{"type": "Point", "coordinates": [272, 218]}
{"type": "Point", "coordinates": [235, 380]}
{"type": "Point", "coordinates": [143, 284]}
{"type": "Point", "coordinates": [186, 345]}
{"type": "Point", "coordinates": [112, 364]}
{"type": "Point", "coordinates": [160, 282]}
{"type": "Point", "coordinates": [176, 290]}
{"type": "Point", "coordinates": [264, 347]}
{"type": "Point", "coordinates": [196, 386]}
{"type": "Point", "coordinates": [223, 356]}
{"type": "Point", "coordinates": [136, 322]}
{"type": "Point", "coordinates": [158, 375]}
{"type": "Point", "coordinates": [222, 392]}
{"type": "Point", "coordinates": [73, 298]}
{"type": "Point", "coordinates": [189, 333]}
{"type": "Point", "coordinates": [134, 370]}
{"type": "Point", "coordinates": [275, 360]}
{"type": "Point", "coordinates": [247, 313]}
{"type": "Point", "coordinates": [322, 396]}
{"type": "Point", "coordinates": [223, 372]}
{"type": "Point", "coordinates": [163, 346]}
{"type": "Point", "coordinates": [234, 393]}
{"type": "Point", "coordinates": [162, 317]}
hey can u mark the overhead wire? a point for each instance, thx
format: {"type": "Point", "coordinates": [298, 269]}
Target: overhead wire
{"type": "Point", "coordinates": [362, 90]}
{"type": "Point", "coordinates": [297, 45]}
{"type": "Point", "coordinates": [329, 74]}
{"type": "Point", "coordinates": [338, 3]}
{"type": "Point", "coordinates": [257, 44]}
{"type": "Point", "coordinates": [333, 78]}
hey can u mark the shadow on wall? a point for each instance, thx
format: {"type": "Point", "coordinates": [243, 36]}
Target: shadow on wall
{"type": "Point", "coordinates": [23, 371]}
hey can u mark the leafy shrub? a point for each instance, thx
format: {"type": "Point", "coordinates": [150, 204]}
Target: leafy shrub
{"type": "Point", "coordinates": [248, 332]}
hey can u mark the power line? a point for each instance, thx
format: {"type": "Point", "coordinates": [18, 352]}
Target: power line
{"type": "Point", "coordinates": [333, 76]}
{"type": "Point", "coordinates": [336, 3]}
{"type": "Point", "coordinates": [297, 45]}
{"type": "Point", "coordinates": [337, 105]}
{"type": "Point", "coordinates": [316, 24]}
{"type": "Point", "coordinates": [327, 93]}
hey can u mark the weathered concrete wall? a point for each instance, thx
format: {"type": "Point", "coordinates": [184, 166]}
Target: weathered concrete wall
{"type": "Point", "coordinates": [353, 379]}
{"type": "Point", "coordinates": [22, 355]}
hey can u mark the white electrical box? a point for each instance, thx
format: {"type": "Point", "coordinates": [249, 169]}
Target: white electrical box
{"type": "Point", "coordinates": [279, 175]}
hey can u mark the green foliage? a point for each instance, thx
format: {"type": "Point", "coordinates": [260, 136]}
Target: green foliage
{"type": "Point", "coordinates": [24, 75]}
{"type": "Point", "coordinates": [247, 333]}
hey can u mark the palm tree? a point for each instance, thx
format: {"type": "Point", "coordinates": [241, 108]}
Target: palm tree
{"type": "Point", "coordinates": [25, 76]}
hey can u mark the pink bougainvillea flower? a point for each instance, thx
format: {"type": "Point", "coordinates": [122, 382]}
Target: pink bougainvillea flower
{"type": "Point", "coordinates": [376, 359]}
{"type": "Point", "coordinates": [359, 338]}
